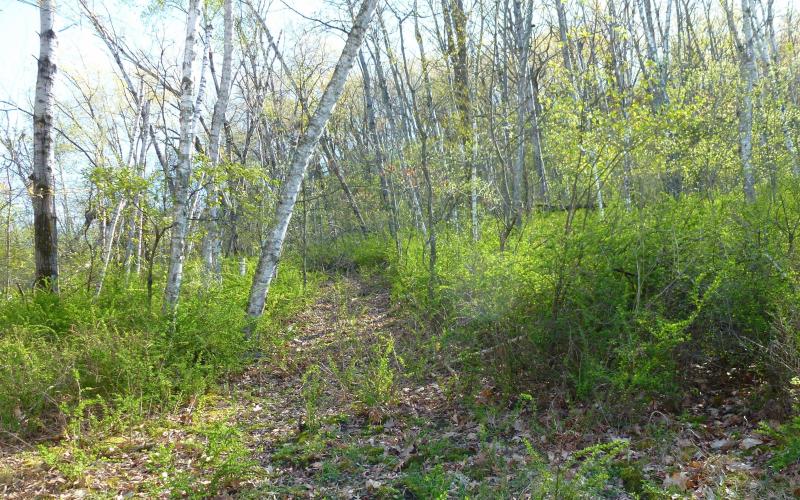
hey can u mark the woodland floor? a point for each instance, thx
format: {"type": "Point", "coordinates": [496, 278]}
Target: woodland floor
{"type": "Point", "coordinates": [251, 438]}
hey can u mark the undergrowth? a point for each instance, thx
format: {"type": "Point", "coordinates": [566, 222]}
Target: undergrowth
{"type": "Point", "coordinates": [617, 307]}
{"type": "Point", "coordinates": [115, 359]}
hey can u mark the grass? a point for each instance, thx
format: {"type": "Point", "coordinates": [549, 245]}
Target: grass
{"type": "Point", "coordinates": [115, 359]}
{"type": "Point", "coordinates": [107, 377]}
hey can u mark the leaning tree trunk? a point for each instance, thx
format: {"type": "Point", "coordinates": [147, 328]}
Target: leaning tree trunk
{"type": "Point", "coordinates": [108, 243]}
{"type": "Point", "coordinates": [42, 178]}
{"type": "Point", "coordinates": [272, 246]}
{"type": "Point", "coordinates": [183, 170]}
{"type": "Point", "coordinates": [327, 148]}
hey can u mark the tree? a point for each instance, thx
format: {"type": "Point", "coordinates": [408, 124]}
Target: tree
{"type": "Point", "coordinates": [42, 178]}
{"type": "Point", "coordinates": [217, 121]}
{"type": "Point", "coordinates": [522, 34]}
{"type": "Point", "coordinates": [457, 52]}
{"type": "Point", "coordinates": [273, 245]}
{"type": "Point", "coordinates": [183, 169]}
{"type": "Point", "coordinates": [748, 73]}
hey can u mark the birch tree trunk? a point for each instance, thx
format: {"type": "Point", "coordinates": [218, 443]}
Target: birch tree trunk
{"type": "Point", "coordinates": [217, 121]}
{"type": "Point", "coordinates": [774, 65]}
{"type": "Point", "coordinates": [135, 226]}
{"type": "Point", "coordinates": [536, 142]}
{"type": "Point", "coordinates": [522, 30]}
{"type": "Point", "coordinates": [749, 75]}
{"type": "Point", "coordinates": [622, 77]}
{"type": "Point", "coordinates": [183, 170]}
{"type": "Point", "coordinates": [108, 246]}
{"type": "Point", "coordinates": [273, 245]}
{"type": "Point", "coordinates": [42, 178]}
{"type": "Point", "coordinates": [658, 82]}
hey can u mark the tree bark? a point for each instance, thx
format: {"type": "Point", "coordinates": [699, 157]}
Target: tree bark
{"type": "Point", "coordinates": [183, 170]}
{"type": "Point", "coordinates": [217, 121]}
{"type": "Point", "coordinates": [522, 31]}
{"type": "Point", "coordinates": [748, 74]}
{"type": "Point", "coordinates": [42, 178]}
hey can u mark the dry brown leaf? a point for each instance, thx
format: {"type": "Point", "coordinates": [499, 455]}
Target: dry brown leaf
{"type": "Point", "coordinates": [678, 480]}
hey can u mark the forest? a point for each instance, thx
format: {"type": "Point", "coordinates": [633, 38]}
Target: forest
{"type": "Point", "coordinates": [400, 249]}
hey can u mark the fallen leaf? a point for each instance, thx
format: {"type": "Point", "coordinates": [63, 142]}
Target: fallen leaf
{"type": "Point", "coordinates": [750, 442]}
{"type": "Point", "coordinates": [678, 480]}
{"type": "Point", "coordinates": [723, 444]}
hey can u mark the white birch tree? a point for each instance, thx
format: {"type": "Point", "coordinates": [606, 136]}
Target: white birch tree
{"type": "Point", "coordinates": [273, 245]}
{"type": "Point", "coordinates": [42, 178]}
{"type": "Point", "coordinates": [183, 169]}
{"type": "Point", "coordinates": [217, 121]}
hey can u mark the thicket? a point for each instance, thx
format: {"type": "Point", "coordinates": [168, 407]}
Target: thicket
{"type": "Point", "coordinates": [119, 353]}
{"type": "Point", "coordinates": [617, 308]}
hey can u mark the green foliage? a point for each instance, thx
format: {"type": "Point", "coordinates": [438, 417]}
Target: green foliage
{"type": "Point", "coordinates": [617, 306]}
{"type": "Point", "coordinates": [370, 376]}
{"type": "Point", "coordinates": [304, 450]}
{"type": "Point", "coordinates": [225, 458]}
{"type": "Point", "coordinates": [787, 438]}
{"type": "Point", "coordinates": [433, 483]}
{"type": "Point", "coordinates": [77, 353]}
{"type": "Point", "coordinates": [377, 385]}
{"type": "Point", "coordinates": [351, 252]}
{"type": "Point", "coordinates": [312, 391]}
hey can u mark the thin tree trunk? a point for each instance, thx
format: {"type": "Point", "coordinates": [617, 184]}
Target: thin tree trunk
{"type": "Point", "coordinates": [621, 73]}
{"type": "Point", "coordinates": [749, 75]}
{"type": "Point", "coordinates": [522, 30]}
{"type": "Point", "coordinates": [183, 169]}
{"type": "Point", "coordinates": [7, 284]}
{"type": "Point", "coordinates": [109, 243]}
{"type": "Point", "coordinates": [536, 142]}
{"type": "Point", "coordinates": [398, 140]}
{"type": "Point", "coordinates": [332, 165]}
{"type": "Point", "coordinates": [217, 121]}
{"type": "Point", "coordinates": [372, 137]}
{"type": "Point", "coordinates": [135, 225]}
{"type": "Point", "coordinates": [273, 245]}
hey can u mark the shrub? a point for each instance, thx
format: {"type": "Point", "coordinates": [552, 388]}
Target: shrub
{"type": "Point", "coordinates": [58, 351]}
{"type": "Point", "coordinates": [616, 306]}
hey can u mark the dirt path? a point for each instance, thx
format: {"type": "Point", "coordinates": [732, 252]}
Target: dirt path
{"type": "Point", "coordinates": [425, 440]}
{"type": "Point", "coordinates": [334, 417]}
